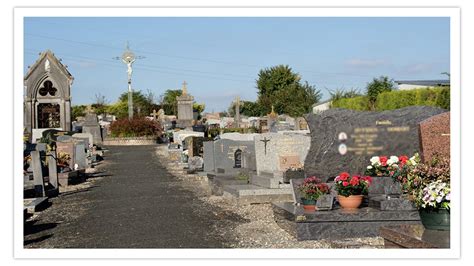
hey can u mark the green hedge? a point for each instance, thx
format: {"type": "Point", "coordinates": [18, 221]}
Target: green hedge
{"type": "Point", "coordinates": [439, 97]}
{"type": "Point", "coordinates": [359, 103]}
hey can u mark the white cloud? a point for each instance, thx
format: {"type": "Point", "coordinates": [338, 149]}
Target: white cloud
{"type": "Point", "coordinates": [366, 63]}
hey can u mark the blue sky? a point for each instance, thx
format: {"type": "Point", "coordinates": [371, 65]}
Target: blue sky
{"type": "Point", "coordinates": [220, 57]}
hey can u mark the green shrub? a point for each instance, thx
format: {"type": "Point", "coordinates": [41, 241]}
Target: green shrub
{"type": "Point", "coordinates": [390, 100]}
{"type": "Point", "coordinates": [399, 99]}
{"type": "Point", "coordinates": [136, 127]}
{"type": "Point", "coordinates": [360, 103]}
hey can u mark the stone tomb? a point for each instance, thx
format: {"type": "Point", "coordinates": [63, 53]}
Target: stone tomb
{"type": "Point", "coordinates": [47, 101]}
{"type": "Point", "coordinates": [344, 140]}
{"type": "Point", "coordinates": [228, 155]}
{"type": "Point", "coordinates": [435, 137]}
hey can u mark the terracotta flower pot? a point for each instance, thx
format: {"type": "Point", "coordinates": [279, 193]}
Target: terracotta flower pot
{"type": "Point", "coordinates": [309, 205]}
{"type": "Point", "coordinates": [351, 202]}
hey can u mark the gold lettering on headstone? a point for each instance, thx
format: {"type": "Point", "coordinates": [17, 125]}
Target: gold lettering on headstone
{"type": "Point", "coordinates": [398, 129]}
{"type": "Point", "coordinates": [383, 122]}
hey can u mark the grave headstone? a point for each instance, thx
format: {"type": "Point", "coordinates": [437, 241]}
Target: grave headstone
{"type": "Point", "coordinates": [275, 153]}
{"type": "Point", "coordinates": [80, 156]}
{"type": "Point", "coordinates": [208, 156]}
{"type": "Point", "coordinates": [435, 137]}
{"type": "Point", "coordinates": [66, 147]}
{"type": "Point", "coordinates": [64, 138]}
{"type": "Point", "coordinates": [249, 161]}
{"type": "Point", "coordinates": [91, 126]}
{"type": "Point", "coordinates": [227, 154]}
{"type": "Point", "coordinates": [344, 140]}
{"type": "Point", "coordinates": [86, 137]}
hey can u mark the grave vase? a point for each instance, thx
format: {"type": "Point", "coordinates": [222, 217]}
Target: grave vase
{"type": "Point", "coordinates": [309, 205]}
{"type": "Point", "coordinates": [350, 202]}
{"type": "Point", "coordinates": [435, 219]}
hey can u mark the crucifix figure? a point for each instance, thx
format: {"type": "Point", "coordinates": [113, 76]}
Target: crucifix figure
{"type": "Point", "coordinates": [265, 140]}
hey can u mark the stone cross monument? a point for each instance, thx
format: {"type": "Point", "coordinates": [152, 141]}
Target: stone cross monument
{"type": "Point", "coordinates": [237, 112]}
{"type": "Point", "coordinates": [185, 108]}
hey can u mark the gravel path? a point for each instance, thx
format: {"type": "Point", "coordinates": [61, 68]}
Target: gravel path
{"type": "Point", "coordinates": [141, 200]}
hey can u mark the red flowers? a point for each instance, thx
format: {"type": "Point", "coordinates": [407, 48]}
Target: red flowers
{"type": "Point", "coordinates": [403, 159]}
{"type": "Point", "coordinates": [343, 176]}
{"type": "Point", "coordinates": [355, 185]}
{"type": "Point", "coordinates": [355, 180]}
{"type": "Point", "coordinates": [383, 160]}
{"type": "Point", "coordinates": [312, 188]}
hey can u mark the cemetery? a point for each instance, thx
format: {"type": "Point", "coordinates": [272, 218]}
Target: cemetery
{"type": "Point", "coordinates": [329, 175]}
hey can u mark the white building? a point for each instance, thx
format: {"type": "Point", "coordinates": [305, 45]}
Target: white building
{"type": "Point", "coordinates": [323, 106]}
{"type": "Point", "coordinates": [421, 84]}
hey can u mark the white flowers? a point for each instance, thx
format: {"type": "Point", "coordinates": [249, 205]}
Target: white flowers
{"type": "Point", "coordinates": [375, 160]}
{"type": "Point", "coordinates": [436, 194]}
{"type": "Point", "coordinates": [392, 160]}
{"type": "Point", "coordinates": [413, 160]}
{"type": "Point", "coordinates": [369, 167]}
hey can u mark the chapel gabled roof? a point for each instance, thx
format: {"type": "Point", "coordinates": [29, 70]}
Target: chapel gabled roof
{"type": "Point", "coordinates": [50, 56]}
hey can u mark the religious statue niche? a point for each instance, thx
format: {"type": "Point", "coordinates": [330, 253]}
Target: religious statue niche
{"type": "Point", "coordinates": [47, 89]}
{"type": "Point", "coordinates": [238, 158]}
{"type": "Point", "coordinates": [48, 115]}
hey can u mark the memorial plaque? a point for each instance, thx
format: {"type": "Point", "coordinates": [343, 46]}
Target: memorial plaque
{"type": "Point", "coordinates": [288, 161]}
{"type": "Point", "coordinates": [435, 137]}
{"type": "Point", "coordinates": [393, 132]}
{"type": "Point", "coordinates": [66, 147]}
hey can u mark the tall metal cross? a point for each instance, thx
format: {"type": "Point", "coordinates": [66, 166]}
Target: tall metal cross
{"type": "Point", "coordinates": [128, 57]}
{"type": "Point", "coordinates": [265, 140]}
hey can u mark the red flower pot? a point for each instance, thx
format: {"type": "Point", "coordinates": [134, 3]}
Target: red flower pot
{"type": "Point", "coordinates": [351, 202]}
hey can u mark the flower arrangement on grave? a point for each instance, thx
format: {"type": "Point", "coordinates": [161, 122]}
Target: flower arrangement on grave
{"type": "Point", "coordinates": [399, 171]}
{"type": "Point", "coordinates": [381, 165]}
{"type": "Point", "coordinates": [312, 188]}
{"type": "Point", "coordinates": [428, 185]}
{"type": "Point", "coordinates": [63, 161]}
{"type": "Point", "coordinates": [351, 189]}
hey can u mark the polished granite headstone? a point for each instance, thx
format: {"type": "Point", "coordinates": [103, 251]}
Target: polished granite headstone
{"type": "Point", "coordinates": [435, 137]}
{"type": "Point", "coordinates": [344, 140]}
